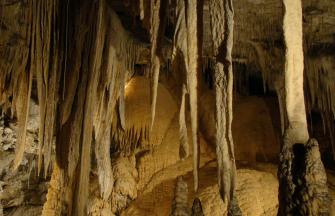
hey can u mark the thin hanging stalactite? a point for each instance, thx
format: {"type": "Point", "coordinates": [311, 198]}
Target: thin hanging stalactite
{"type": "Point", "coordinates": [53, 58]}
{"type": "Point", "coordinates": [158, 14]}
{"type": "Point", "coordinates": [93, 71]}
{"type": "Point", "coordinates": [186, 59]}
{"type": "Point", "coordinates": [22, 108]}
{"type": "Point", "coordinates": [102, 127]}
{"type": "Point", "coordinates": [180, 65]}
{"type": "Point", "coordinates": [184, 147]}
{"type": "Point", "coordinates": [222, 22]}
{"type": "Point", "coordinates": [16, 83]}
{"type": "Point", "coordinates": [194, 10]}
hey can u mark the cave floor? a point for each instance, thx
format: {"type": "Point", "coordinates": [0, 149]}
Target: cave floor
{"type": "Point", "coordinates": [257, 187]}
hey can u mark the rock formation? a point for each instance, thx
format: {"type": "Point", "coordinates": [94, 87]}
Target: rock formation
{"type": "Point", "coordinates": [197, 208]}
{"type": "Point", "coordinates": [302, 177]}
{"type": "Point", "coordinates": [222, 20]}
{"type": "Point", "coordinates": [179, 204]}
{"type": "Point", "coordinates": [121, 107]}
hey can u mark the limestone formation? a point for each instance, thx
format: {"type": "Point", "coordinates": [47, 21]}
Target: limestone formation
{"type": "Point", "coordinates": [121, 107]}
{"type": "Point", "coordinates": [302, 177]}
{"type": "Point", "coordinates": [222, 20]}
{"type": "Point", "coordinates": [179, 204]}
{"type": "Point", "coordinates": [197, 208]}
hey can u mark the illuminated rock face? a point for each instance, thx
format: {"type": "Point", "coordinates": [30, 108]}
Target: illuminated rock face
{"type": "Point", "coordinates": [112, 101]}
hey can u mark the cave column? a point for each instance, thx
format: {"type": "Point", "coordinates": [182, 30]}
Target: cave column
{"type": "Point", "coordinates": [294, 72]}
{"type": "Point", "coordinates": [302, 177]}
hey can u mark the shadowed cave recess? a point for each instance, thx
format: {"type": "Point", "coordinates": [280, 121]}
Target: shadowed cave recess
{"type": "Point", "coordinates": [167, 107]}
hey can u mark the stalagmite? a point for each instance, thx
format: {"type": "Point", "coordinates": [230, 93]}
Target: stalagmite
{"type": "Point", "coordinates": [179, 205]}
{"type": "Point", "coordinates": [302, 177]}
{"type": "Point", "coordinates": [197, 208]}
{"type": "Point", "coordinates": [222, 21]}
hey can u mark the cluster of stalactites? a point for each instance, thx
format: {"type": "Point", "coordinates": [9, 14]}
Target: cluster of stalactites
{"type": "Point", "coordinates": [81, 67]}
{"type": "Point", "coordinates": [186, 58]}
{"type": "Point", "coordinates": [37, 58]}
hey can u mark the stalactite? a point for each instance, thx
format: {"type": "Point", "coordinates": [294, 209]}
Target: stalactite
{"type": "Point", "coordinates": [42, 60]}
{"type": "Point", "coordinates": [91, 84]}
{"type": "Point", "coordinates": [121, 53]}
{"type": "Point", "coordinates": [94, 71]}
{"type": "Point", "coordinates": [222, 21]}
{"type": "Point", "coordinates": [180, 64]}
{"type": "Point", "coordinates": [158, 15]}
{"type": "Point", "coordinates": [49, 84]}
{"type": "Point", "coordinates": [186, 58]}
{"type": "Point", "coordinates": [194, 40]}
{"type": "Point", "coordinates": [102, 127]}
{"type": "Point", "coordinates": [121, 101]}
{"type": "Point", "coordinates": [184, 147]}
{"type": "Point", "coordinates": [22, 108]}
{"type": "Point", "coordinates": [97, 78]}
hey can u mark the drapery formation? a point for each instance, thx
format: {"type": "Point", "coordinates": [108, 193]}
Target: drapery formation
{"type": "Point", "coordinates": [222, 21]}
{"type": "Point", "coordinates": [302, 177]}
